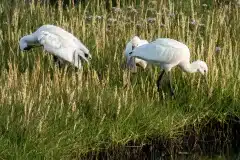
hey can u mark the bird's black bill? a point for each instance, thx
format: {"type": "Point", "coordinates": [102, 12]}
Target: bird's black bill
{"type": "Point", "coordinates": [31, 46]}
{"type": "Point", "coordinates": [27, 48]}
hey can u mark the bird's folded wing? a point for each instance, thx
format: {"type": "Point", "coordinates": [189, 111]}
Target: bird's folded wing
{"type": "Point", "coordinates": [80, 45]}
{"type": "Point", "coordinates": [49, 40]}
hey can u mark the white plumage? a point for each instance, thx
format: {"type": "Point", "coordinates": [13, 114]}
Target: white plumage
{"type": "Point", "coordinates": [167, 53]}
{"type": "Point", "coordinates": [58, 42]}
{"type": "Point", "coordinates": [129, 48]}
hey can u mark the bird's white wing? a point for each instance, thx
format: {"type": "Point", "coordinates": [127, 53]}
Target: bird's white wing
{"type": "Point", "coordinates": [162, 51]}
{"type": "Point", "coordinates": [51, 42]}
{"type": "Point", "coordinates": [142, 42]}
{"type": "Point", "coordinates": [152, 52]}
{"type": "Point", "coordinates": [56, 45]}
{"type": "Point", "coordinates": [67, 37]}
{"type": "Point", "coordinates": [81, 46]}
{"type": "Point", "coordinates": [167, 42]}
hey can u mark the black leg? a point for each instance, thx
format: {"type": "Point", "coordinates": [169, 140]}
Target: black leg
{"type": "Point", "coordinates": [159, 80]}
{"type": "Point", "coordinates": [55, 58]}
{"type": "Point", "coordinates": [57, 61]}
{"type": "Point", "coordinates": [170, 84]}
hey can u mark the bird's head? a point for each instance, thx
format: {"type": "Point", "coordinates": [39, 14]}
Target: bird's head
{"type": "Point", "coordinates": [131, 63]}
{"type": "Point", "coordinates": [202, 67]}
{"type": "Point", "coordinates": [135, 42]}
{"type": "Point", "coordinates": [23, 45]}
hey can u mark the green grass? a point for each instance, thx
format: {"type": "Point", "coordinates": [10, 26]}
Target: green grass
{"type": "Point", "coordinates": [52, 113]}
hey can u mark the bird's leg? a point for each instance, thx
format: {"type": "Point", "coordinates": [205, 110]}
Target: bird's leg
{"type": "Point", "coordinates": [57, 61]}
{"type": "Point", "coordinates": [159, 80]}
{"type": "Point", "coordinates": [170, 84]}
{"type": "Point", "coordinates": [55, 58]}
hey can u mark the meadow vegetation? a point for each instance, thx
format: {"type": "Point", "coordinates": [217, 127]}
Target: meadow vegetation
{"type": "Point", "coordinates": [50, 112]}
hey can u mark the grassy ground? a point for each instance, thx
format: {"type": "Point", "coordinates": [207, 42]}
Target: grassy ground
{"type": "Point", "coordinates": [46, 112]}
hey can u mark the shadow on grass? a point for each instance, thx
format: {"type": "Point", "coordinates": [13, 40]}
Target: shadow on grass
{"type": "Point", "coordinates": [214, 139]}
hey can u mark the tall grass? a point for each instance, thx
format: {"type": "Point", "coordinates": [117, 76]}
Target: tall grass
{"type": "Point", "coordinates": [47, 112]}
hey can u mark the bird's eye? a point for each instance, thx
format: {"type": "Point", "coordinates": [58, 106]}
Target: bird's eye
{"type": "Point", "coordinates": [86, 55]}
{"type": "Point", "coordinates": [130, 53]}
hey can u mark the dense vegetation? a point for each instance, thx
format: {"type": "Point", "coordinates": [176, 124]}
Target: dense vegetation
{"type": "Point", "coordinates": [58, 113]}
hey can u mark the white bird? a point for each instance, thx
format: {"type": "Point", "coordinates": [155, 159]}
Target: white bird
{"type": "Point", "coordinates": [167, 53]}
{"type": "Point", "coordinates": [59, 42]}
{"type": "Point", "coordinates": [129, 48]}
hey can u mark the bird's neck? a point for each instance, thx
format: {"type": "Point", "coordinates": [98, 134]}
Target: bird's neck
{"type": "Point", "coordinates": [189, 67]}
{"type": "Point", "coordinates": [29, 38]}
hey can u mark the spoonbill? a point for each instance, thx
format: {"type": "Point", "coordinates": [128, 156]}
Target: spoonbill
{"type": "Point", "coordinates": [62, 44]}
{"type": "Point", "coordinates": [129, 48]}
{"type": "Point", "coordinates": [167, 53]}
